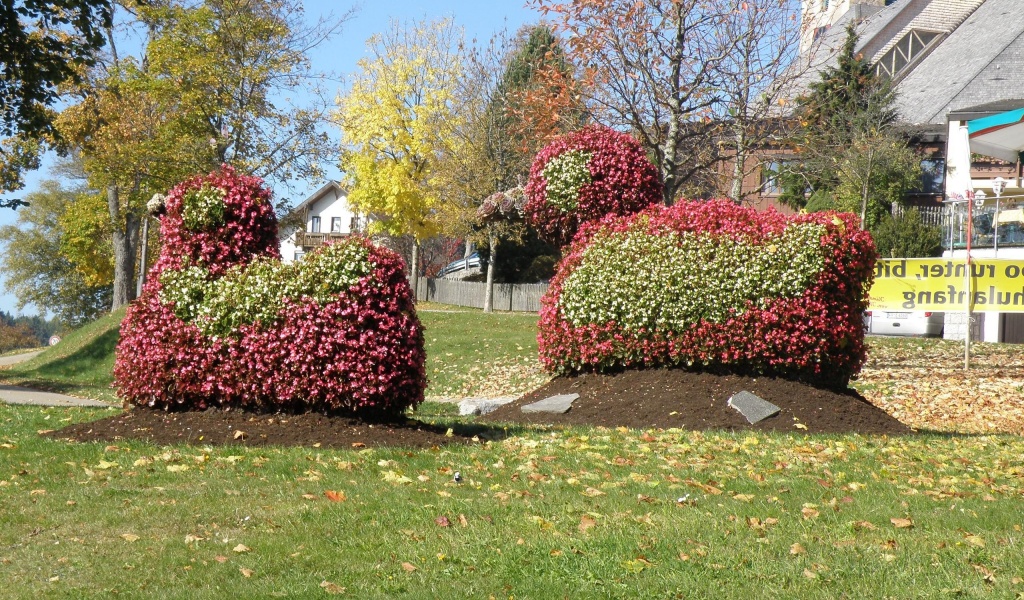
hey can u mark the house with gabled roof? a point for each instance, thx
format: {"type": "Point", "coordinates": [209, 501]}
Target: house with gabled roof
{"type": "Point", "coordinates": [324, 216]}
{"type": "Point", "coordinates": [958, 70]}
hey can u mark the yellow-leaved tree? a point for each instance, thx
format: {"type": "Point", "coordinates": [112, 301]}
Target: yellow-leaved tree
{"type": "Point", "coordinates": [397, 120]}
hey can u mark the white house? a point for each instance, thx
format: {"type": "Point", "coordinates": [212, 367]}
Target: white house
{"type": "Point", "coordinates": [324, 216]}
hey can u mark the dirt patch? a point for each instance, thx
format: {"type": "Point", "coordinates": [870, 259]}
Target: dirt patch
{"type": "Point", "coordinates": [664, 398]}
{"type": "Point", "coordinates": [655, 398]}
{"type": "Point", "coordinates": [218, 427]}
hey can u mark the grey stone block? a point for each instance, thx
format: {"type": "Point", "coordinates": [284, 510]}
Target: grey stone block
{"type": "Point", "coordinates": [753, 408]}
{"type": "Point", "coordinates": [555, 404]}
{"type": "Point", "coordinates": [481, 406]}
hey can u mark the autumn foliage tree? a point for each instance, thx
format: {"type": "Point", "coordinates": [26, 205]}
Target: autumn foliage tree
{"type": "Point", "coordinates": [652, 68]}
{"type": "Point", "coordinates": [397, 119]}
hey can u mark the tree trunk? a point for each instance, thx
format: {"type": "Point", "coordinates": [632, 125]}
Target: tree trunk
{"type": "Point", "coordinates": [739, 166]}
{"type": "Point", "coordinates": [492, 241]}
{"type": "Point", "coordinates": [126, 246]}
{"type": "Point", "coordinates": [865, 188]}
{"type": "Point", "coordinates": [414, 268]}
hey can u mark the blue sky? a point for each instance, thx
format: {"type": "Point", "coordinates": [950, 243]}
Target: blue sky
{"type": "Point", "coordinates": [480, 20]}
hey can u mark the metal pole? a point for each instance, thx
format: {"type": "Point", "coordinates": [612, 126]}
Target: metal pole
{"type": "Point", "coordinates": [995, 232]}
{"type": "Point", "coordinates": [967, 286]}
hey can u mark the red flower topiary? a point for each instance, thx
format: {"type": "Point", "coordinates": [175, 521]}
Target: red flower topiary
{"type": "Point", "coordinates": [337, 332]}
{"type": "Point", "coordinates": [584, 176]}
{"type": "Point", "coordinates": [712, 285]}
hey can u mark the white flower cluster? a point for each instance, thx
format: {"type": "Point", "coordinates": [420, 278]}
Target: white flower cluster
{"type": "Point", "coordinates": [257, 292]}
{"type": "Point", "coordinates": [670, 282]}
{"type": "Point", "coordinates": [565, 174]}
{"type": "Point", "coordinates": [203, 208]}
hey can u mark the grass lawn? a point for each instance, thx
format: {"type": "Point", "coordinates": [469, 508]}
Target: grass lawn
{"type": "Point", "coordinates": [540, 514]}
{"type": "Point", "coordinates": [577, 513]}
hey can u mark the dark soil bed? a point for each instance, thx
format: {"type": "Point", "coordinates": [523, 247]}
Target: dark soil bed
{"type": "Point", "coordinates": [217, 427]}
{"type": "Point", "coordinates": [664, 398]}
{"type": "Point", "coordinates": [656, 398]}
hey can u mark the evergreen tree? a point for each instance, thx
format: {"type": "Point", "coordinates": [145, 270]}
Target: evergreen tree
{"type": "Point", "coordinates": [850, 156]}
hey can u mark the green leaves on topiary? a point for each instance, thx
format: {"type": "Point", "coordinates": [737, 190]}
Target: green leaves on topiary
{"type": "Point", "coordinates": [566, 174]}
{"type": "Point", "coordinates": [256, 292]}
{"type": "Point", "coordinates": [203, 208]}
{"type": "Point", "coordinates": [673, 281]}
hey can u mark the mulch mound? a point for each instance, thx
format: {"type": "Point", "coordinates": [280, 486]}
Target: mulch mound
{"type": "Point", "coordinates": [665, 398]}
{"type": "Point", "coordinates": [655, 398]}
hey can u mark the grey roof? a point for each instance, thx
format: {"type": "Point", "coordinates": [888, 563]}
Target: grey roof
{"type": "Point", "coordinates": [981, 61]}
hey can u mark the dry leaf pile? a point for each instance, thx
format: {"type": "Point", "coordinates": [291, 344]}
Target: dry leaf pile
{"type": "Point", "coordinates": [923, 384]}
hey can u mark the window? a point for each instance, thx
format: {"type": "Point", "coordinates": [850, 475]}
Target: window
{"type": "Point", "coordinates": [335, 224]}
{"type": "Point", "coordinates": [298, 255]}
{"type": "Point", "coordinates": [933, 175]}
{"type": "Point", "coordinates": [770, 184]}
{"type": "Point", "coordinates": [314, 225]}
{"type": "Point", "coordinates": [353, 225]}
{"type": "Point", "coordinates": [911, 47]}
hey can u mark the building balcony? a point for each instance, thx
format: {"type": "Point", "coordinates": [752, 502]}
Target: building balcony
{"type": "Point", "coordinates": [307, 240]}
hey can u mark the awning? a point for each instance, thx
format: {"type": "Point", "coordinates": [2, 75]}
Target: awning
{"type": "Point", "coordinates": [1000, 135]}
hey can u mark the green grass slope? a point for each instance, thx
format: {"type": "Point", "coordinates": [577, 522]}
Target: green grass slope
{"type": "Point", "coordinates": [81, 364]}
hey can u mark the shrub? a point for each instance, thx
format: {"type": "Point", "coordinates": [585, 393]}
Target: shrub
{"type": "Point", "coordinates": [584, 176]}
{"type": "Point", "coordinates": [712, 285]}
{"type": "Point", "coordinates": [907, 236]}
{"type": "Point", "coordinates": [336, 332]}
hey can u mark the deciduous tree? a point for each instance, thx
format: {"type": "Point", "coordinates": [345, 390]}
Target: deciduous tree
{"type": "Point", "coordinates": [652, 68]}
{"type": "Point", "coordinates": [397, 119]}
{"type": "Point", "coordinates": [36, 271]}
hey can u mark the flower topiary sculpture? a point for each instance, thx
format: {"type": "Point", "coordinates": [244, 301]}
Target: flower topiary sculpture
{"type": "Point", "coordinates": [585, 175]}
{"type": "Point", "coordinates": [222, 322]}
{"type": "Point", "coordinates": [712, 285]}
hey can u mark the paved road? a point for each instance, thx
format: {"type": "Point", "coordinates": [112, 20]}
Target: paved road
{"type": "Point", "coordinates": [12, 394]}
{"type": "Point", "coordinates": [6, 361]}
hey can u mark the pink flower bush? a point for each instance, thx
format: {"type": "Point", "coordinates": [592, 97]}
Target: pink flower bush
{"type": "Point", "coordinates": [712, 285]}
{"type": "Point", "coordinates": [584, 176]}
{"type": "Point", "coordinates": [337, 332]}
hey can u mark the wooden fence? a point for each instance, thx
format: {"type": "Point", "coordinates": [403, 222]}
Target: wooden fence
{"type": "Point", "coordinates": [520, 297]}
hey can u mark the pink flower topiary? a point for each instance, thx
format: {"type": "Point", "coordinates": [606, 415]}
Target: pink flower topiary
{"type": "Point", "coordinates": [222, 323]}
{"type": "Point", "coordinates": [584, 176]}
{"type": "Point", "coordinates": [712, 285]}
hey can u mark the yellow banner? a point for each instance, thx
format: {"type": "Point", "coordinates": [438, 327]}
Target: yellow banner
{"type": "Point", "coordinates": [937, 284]}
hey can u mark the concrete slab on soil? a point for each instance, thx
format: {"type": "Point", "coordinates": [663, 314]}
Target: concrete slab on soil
{"type": "Point", "coordinates": [12, 394]}
{"type": "Point", "coordinates": [559, 404]}
{"type": "Point", "coordinates": [482, 406]}
{"type": "Point", "coordinates": [753, 408]}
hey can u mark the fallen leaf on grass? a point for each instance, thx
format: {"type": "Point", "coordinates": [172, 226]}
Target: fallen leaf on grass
{"type": "Point", "coordinates": [592, 492]}
{"type": "Point", "coordinates": [463, 521]}
{"type": "Point", "coordinates": [809, 512]}
{"type": "Point", "coordinates": [334, 496]}
{"type": "Point", "coordinates": [332, 588]}
{"type": "Point", "coordinates": [241, 548]}
{"type": "Point", "coordinates": [409, 567]}
{"type": "Point", "coordinates": [104, 465]}
{"type": "Point", "coordinates": [177, 468]}
{"type": "Point", "coordinates": [797, 549]}
{"type": "Point", "coordinates": [868, 525]}
{"type": "Point", "coordinates": [586, 522]}
{"type": "Point", "coordinates": [744, 497]}
{"type": "Point", "coordinates": [809, 574]}
{"type": "Point", "coordinates": [220, 559]}
{"type": "Point", "coordinates": [247, 573]}
{"type": "Point", "coordinates": [193, 538]}
{"type": "Point", "coordinates": [900, 523]}
{"type": "Point", "coordinates": [975, 540]}
{"type": "Point", "coordinates": [130, 537]}
{"type": "Point", "coordinates": [443, 521]}
{"type": "Point", "coordinates": [239, 435]}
